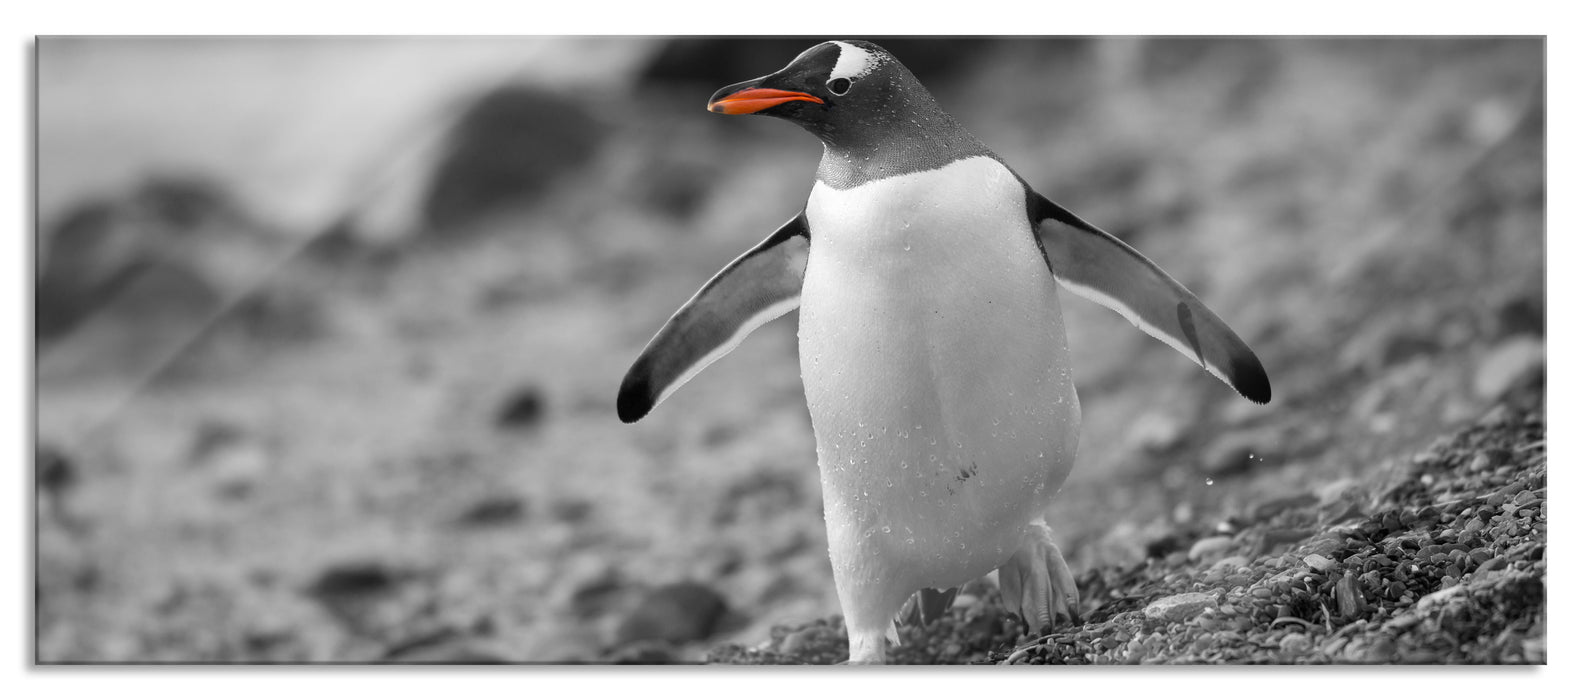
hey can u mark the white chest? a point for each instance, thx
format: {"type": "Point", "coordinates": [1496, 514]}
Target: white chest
{"type": "Point", "coordinates": [935, 365]}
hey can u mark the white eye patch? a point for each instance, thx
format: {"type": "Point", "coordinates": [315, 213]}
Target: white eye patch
{"type": "Point", "coordinates": [854, 62]}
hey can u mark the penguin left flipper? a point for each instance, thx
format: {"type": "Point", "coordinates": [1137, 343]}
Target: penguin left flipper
{"type": "Point", "coordinates": [1036, 583]}
{"type": "Point", "coordinates": [763, 284]}
{"type": "Point", "coordinates": [1103, 269]}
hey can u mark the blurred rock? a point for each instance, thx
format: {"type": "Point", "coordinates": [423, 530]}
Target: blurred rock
{"type": "Point", "coordinates": [1520, 314]}
{"type": "Point", "coordinates": [444, 647]}
{"type": "Point", "coordinates": [238, 469]}
{"type": "Point", "coordinates": [570, 510]}
{"type": "Point", "coordinates": [509, 147]}
{"type": "Point", "coordinates": [56, 477]}
{"type": "Point", "coordinates": [57, 474]}
{"type": "Point", "coordinates": [677, 613]}
{"type": "Point", "coordinates": [523, 409]}
{"type": "Point", "coordinates": [1163, 546]}
{"type": "Point", "coordinates": [644, 653]}
{"type": "Point", "coordinates": [1234, 452]}
{"type": "Point", "coordinates": [210, 437]}
{"type": "Point", "coordinates": [493, 511]}
{"type": "Point", "coordinates": [156, 243]}
{"type": "Point", "coordinates": [1155, 433]}
{"type": "Point", "coordinates": [597, 595]}
{"type": "Point", "coordinates": [1125, 543]}
{"type": "Point", "coordinates": [720, 61]}
{"type": "Point", "coordinates": [1230, 563]}
{"type": "Point", "coordinates": [347, 589]}
{"type": "Point", "coordinates": [234, 459]}
{"type": "Point", "coordinates": [1509, 365]}
{"type": "Point", "coordinates": [1340, 489]}
{"type": "Point", "coordinates": [1274, 507]}
{"type": "Point", "coordinates": [1388, 341]}
{"type": "Point", "coordinates": [760, 496]}
{"type": "Point", "coordinates": [1210, 547]}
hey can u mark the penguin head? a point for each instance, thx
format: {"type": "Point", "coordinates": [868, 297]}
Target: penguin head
{"type": "Point", "coordinates": [838, 90]}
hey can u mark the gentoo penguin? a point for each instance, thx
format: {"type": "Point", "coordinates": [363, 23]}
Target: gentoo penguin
{"type": "Point", "coordinates": [932, 349]}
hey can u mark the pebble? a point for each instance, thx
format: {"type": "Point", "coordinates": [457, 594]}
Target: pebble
{"type": "Point", "coordinates": [1493, 564]}
{"type": "Point", "coordinates": [1235, 561]}
{"type": "Point", "coordinates": [679, 613]}
{"type": "Point", "coordinates": [1295, 643]}
{"type": "Point", "coordinates": [1155, 433]}
{"type": "Point", "coordinates": [1381, 652]}
{"type": "Point", "coordinates": [1347, 596]}
{"type": "Point", "coordinates": [1319, 562]}
{"type": "Point", "coordinates": [1507, 365]}
{"type": "Point", "coordinates": [1238, 451]}
{"type": "Point", "coordinates": [1481, 462]}
{"type": "Point", "coordinates": [1210, 546]}
{"type": "Point", "coordinates": [522, 409]}
{"type": "Point", "coordinates": [1180, 607]}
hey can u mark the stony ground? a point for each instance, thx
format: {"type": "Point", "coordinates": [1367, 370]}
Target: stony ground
{"type": "Point", "coordinates": [409, 453]}
{"type": "Point", "coordinates": [1439, 560]}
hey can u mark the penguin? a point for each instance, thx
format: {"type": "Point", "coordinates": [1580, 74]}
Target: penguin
{"type": "Point", "coordinates": [931, 343]}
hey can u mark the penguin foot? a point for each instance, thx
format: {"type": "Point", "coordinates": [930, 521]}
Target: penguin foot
{"type": "Point", "coordinates": [927, 605]}
{"type": "Point", "coordinates": [1036, 583]}
{"type": "Point", "coordinates": [868, 649]}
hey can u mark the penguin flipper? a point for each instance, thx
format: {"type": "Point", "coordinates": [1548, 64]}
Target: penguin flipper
{"type": "Point", "coordinates": [763, 284]}
{"type": "Point", "coordinates": [1104, 269]}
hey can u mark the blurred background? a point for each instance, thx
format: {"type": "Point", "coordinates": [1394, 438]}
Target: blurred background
{"type": "Point", "coordinates": [329, 330]}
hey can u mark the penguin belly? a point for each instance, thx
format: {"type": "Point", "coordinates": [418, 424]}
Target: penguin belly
{"type": "Point", "coordinates": [934, 361]}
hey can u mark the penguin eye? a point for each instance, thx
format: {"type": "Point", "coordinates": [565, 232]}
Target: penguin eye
{"type": "Point", "coordinates": [838, 86]}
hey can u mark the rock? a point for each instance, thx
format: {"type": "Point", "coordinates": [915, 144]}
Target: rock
{"type": "Point", "coordinates": [1231, 563]}
{"type": "Point", "coordinates": [349, 591]}
{"type": "Point", "coordinates": [1492, 564]}
{"type": "Point", "coordinates": [1210, 546]}
{"type": "Point", "coordinates": [1388, 342]}
{"type": "Point", "coordinates": [445, 647]}
{"type": "Point", "coordinates": [1155, 432]}
{"type": "Point", "coordinates": [1513, 363]}
{"type": "Point", "coordinates": [509, 147]}
{"type": "Point", "coordinates": [238, 469]}
{"type": "Point", "coordinates": [493, 511]}
{"type": "Point", "coordinates": [597, 595]}
{"type": "Point", "coordinates": [1296, 643]}
{"type": "Point", "coordinates": [677, 613]}
{"type": "Point", "coordinates": [648, 652]}
{"type": "Point", "coordinates": [1521, 315]}
{"type": "Point", "coordinates": [523, 409]}
{"type": "Point", "coordinates": [570, 510]}
{"type": "Point", "coordinates": [1235, 452]}
{"type": "Point", "coordinates": [1348, 597]}
{"type": "Point", "coordinates": [1481, 462]}
{"type": "Point", "coordinates": [1160, 547]}
{"type": "Point", "coordinates": [1319, 562]}
{"type": "Point", "coordinates": [211, 437]}
{"type": "Point", "coordinates": [57, 474]}
{"type": "Point", "coordinates": [1180, 607]}
{"type": "Point", "coordinates": [1381, 651]}
{"type": "Point", "coordinates": [1335, 490]}
{"type": "Point", "coordinates": [1272, 508]}
{"type": "Point", "coordinates": [355, 579]}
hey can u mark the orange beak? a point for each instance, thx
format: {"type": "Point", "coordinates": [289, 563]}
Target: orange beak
{"type": "Point", "coordinates": [757, 99]}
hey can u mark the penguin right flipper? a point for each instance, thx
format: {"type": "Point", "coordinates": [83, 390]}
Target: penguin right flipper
{"type": "Point", "coordinates": [763, 284]}
{"type": "Point", "coordinates": [1103, 269]}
